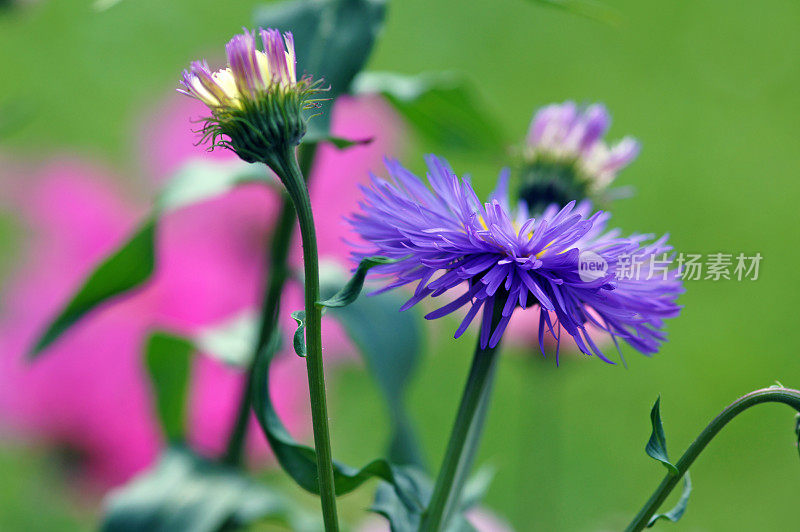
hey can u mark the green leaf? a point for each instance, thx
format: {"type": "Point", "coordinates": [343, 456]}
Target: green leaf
{"type": "Point", "coordinates": [299, 339]}
{"type": "Point", "coordinates": [680, 508]}
{"type": "Point", "coordinates": [333, 40]}
{"type": "Point", "coordinates": [657, 445]}
{"type": "Point", "coordinates": [168, 360]}
{"type": "Point", "coordinates": [133, 262]}
{"type": "Point", "coordinates": [390, 502]}
{"type": "Point", "coordinates": [126, 268]}
{"type": "Point", "coordinates": [353, 288]}
{"type": "Point", "coordinates": [442, 107]}
{"type": "Point", "coordinates": [300, 461]}
{"type": "Point", "coordinates": [184, 492]}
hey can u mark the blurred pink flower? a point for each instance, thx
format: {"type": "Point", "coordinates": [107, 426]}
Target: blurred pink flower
{"type": "Point", "coordinates": [89, 392]}
{"type": "Point", "coordinates": [523, 333]}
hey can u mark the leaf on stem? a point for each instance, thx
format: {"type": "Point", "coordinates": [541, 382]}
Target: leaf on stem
{"type": "Point", "coordinates": [657, 445]}
{"type": "Point", "coordinates": [352, 289]}
{"type": "Point", "coordinates": [680, 508]}
{"type": "Point", "coordinates": [299, 339]}
{"type": "Point", "coordinates": [657, 449]}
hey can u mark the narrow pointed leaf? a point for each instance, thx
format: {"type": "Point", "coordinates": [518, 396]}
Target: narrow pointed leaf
{"type": "Point", "coordinates": [680, 508]}
{"type": "Point", "coordinates": [353, 288]}
{"type": "Point", "coordinates": [126, 268]}
{"type": "Point", "coordinates": [657, 445]}
{"type": "Point", "coordinates": [168, 361]}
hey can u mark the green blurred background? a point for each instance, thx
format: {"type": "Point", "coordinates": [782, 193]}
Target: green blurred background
{"type": "Point", "coordinates": [708, 86]}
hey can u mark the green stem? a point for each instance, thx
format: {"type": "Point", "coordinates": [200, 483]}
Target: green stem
{"type": "Point", "coordinates": [786, 396]}
{"type": "Point", "coordinates": [464, 438]}
{"type": "Point", "coordinates": [268, 320]}
{"type": "Point", "coordinates": [278, 272]}
{"type": "Point", "coordinates": [286, 166]}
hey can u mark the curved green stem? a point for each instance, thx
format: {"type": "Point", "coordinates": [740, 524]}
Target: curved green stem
{"type": "Point", "coordinates": [286, 166]}
{"type": "Point", "coordinates": [464, 438]}
{"type": "Point", "coordinates": [277, 272]}
{"type": "Point", "coordinates": [786, 396]}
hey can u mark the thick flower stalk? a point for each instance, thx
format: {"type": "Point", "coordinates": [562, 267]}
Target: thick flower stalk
{"type": "Point", "coordinates": [257, 107]}
{"type": "Point", "coordinates": [445, 238]}
{"type": "Point", "coordinates": [566, 158]}
{"type": "Point", "coordinates": [256, 102]}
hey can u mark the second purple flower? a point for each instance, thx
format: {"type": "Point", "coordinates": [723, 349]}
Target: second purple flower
{"type": "Point", "coordinates": [444, 237]}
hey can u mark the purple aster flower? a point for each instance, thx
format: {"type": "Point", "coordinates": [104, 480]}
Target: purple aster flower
{"type": "Point", "coordinates": [250, 71]}
{"type": "Point", "coordinates": [564, 132]}
{"type": "Point", "coordinates": [257, 100]}
{"type": "Point", "coordinates": [444, 238]}
{"type": "Point", "coordinates": [566, 158]}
